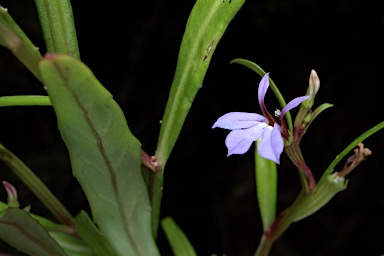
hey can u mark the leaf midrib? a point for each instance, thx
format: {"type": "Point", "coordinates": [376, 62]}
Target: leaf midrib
{"type": "Point", "coordinates": [106, 159]}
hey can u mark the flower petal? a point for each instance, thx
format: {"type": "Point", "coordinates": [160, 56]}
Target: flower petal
{"type": "Point", "coordinates": [239, 120]}
{"type": "Point", "coordinates": [271, 144]}
{"type": "Point", "coordinates": [239, 141]}
{"type": "Point", "coordinates": [263, 87]}
{"type": "Point", "coordinates": [292, 104]}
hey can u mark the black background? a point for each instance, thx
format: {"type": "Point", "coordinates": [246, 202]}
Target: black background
{"type": "Point", "coordinates": [132, 48]}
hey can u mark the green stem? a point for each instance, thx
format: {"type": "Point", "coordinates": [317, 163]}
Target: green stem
{"type": "Point", "coordinates": [156, 194]}
{"type": "Point", "coordinates": [265, 246]}
{"type": "Point", "coordinates": [293, 151]}
{"type": "Point", "coordinates": [281, 224]}
{"type": "Point", "coordinates": [36, 186]}
{"type": "Point", "coordinates": [58, 26]}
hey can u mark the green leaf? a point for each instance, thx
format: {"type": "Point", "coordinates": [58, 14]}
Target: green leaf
{"type": "Point", "coordinates": [13, 38]}
{"type": "Point", "coordinates": [266, 186]}
{"type": "Point", "coordinates": [58, 26]}
{"type": "Point", "coordinates": [205, 27]}
{"type": "Point", "coordinates": [177, 239]}
{"type": "Point", "coordinates": [25, 100]}
{"type": "Point", "coordinates": [91, 234]}
{"type": "Point", "coordinates": [20, 230]}
{"type": "Point", "coordinates": [323, 193]}
{"type": "Point", "coordinates": [63, 235]}
{"type": "Point", "coordinates": [3, 206]}
{"type": "Point", "coordinates": [105, 156]}
{"type": "Point", "coordinates": [256, 68]}
{"type": "Point", "coordinates": [72, 244]}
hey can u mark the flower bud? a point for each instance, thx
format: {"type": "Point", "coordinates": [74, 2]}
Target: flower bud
{"type": "Point", "coordinates": [12, 194]}
{"type": "Point", "coordinates": [313, 88]}
{"type": "Point", "coordinates": [314, 83]}
{"type": "Point", "coordinates": [304, 116]}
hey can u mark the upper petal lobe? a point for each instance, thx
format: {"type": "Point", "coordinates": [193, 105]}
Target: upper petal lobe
{"type": "Point", "coordinates": [292, 104]}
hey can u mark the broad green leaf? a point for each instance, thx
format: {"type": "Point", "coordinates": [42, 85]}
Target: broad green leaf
{"type": "Point", "coordinates": [13, 38]}
{"type": "Point", "coordinates": [266, 187]}
{"type": "Point", "coordinates": [91, 234]}
{"type": "Point", "coordinates": [56, 19]}
{"type": "Point", "coordinates": [20, 230]}
{"type": "Point", "coordinates": [105, 156]}
{"type": "Point", "coordinates": [177, 239]}
{"type": "Point", "coordinates": [25, 100]}
{"type": "Point", "coordinates": [205, 27]}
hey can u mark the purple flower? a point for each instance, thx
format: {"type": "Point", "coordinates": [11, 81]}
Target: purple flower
{"type": "Point", "coordinates": [249, 127]}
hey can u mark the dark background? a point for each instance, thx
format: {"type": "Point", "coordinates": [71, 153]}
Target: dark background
{"type": "Point", "coordinates": [132, 48]}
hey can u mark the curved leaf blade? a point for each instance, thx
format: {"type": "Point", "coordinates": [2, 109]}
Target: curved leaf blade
{"type": "Point", "coordinates": [105, 156]}
{"type": "Point", "coordinates": [21, 231]}
{"type": "Point", "coordinates": [90, 233]}
{"type": "Point", "coordinates": [177, 239]}
{"type": "Point", "coordinates": [348, 149]}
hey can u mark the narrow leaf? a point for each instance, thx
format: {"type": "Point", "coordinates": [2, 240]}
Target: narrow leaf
{"type": "Point", "coordinates": [266, 187]}
{"type": "Point", "coordinates": [205, 27]}
{"type": "Point", "coordinates": [58, 26]}
{"type": "Point", "coordinates": [348, 149]}
{"type": "Point", "coordinates": [20, 230]}
{"type": "Point", "coordinates": [91, 234]}
{"type": "Point", "coordinates": [177, 239]}
{"type": "Point", "coordinates": [13, 38]}
{"type": "Point", "coordinates": [105, 156]}
{"type": "Point", "coordinates": [25, 100]}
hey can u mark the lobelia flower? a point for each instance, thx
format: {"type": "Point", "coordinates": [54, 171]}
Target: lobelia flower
{"type": "Point", "coordinates": [249, 127]}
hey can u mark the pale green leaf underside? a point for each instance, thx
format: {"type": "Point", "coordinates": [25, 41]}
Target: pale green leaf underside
{"type": "Point", "coordinates": [105, 156]}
